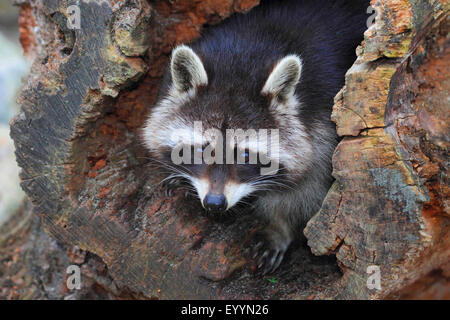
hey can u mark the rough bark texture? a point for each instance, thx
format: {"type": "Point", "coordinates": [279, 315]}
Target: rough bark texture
{"type": "Point", "coordinates": [389, 204]}
{"type": "Point", "coordinates": [33, 265]}
{"type": "Point", "coordinates": [84, 168]}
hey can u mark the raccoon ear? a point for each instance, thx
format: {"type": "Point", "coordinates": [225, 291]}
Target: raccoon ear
{"type": "Point", "coordinates": [284, 78]}
{"type": "Point", "coordinates": [187, 69]}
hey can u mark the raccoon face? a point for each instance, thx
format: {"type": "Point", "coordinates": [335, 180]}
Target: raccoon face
{"type": "Point", "coordinates": [210, 126]}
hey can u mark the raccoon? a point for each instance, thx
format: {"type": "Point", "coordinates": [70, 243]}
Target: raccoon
{"type": "Point", "coordinates": [277, 67]}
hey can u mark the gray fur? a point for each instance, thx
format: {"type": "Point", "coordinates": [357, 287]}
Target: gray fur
{"type": "Point", "coordinates": [277, 67]}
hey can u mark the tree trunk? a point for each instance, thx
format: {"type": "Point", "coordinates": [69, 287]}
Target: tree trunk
{"type": "Point", "coordinates": [389, 205]}
{"type": "Point", "coordinates": [84, 167]}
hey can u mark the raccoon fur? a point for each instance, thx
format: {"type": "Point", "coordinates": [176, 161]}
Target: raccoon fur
{"type": "Point", "coordinates": [277, 67]}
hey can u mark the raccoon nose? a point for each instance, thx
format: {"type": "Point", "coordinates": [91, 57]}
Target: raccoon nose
{"type": "Point", "coordinates": [215, 202]}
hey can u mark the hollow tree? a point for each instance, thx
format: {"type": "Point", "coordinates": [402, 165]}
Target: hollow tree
{"type": "Point", "coordinates": [97, 196]}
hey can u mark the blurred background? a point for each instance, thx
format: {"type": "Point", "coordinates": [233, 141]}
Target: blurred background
{"type": "Point", "coordinates": [13, 68]}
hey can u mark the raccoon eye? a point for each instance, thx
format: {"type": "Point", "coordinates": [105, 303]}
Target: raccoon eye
{"type": "Point", "coordinates": [196, 150]}
{"type": "Point", "coordinates": [246, 156]}
{"type": "Point", "coordinates": [196, 154]}
{"type": "Point", "coordinates": [241, 155]}
{"type": "Point", "coordinates": [202, 150]}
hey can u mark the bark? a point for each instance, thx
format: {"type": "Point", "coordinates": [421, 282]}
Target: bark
{"type": "Point", "coordinates": [93, 189]}
{"type": "Point", "coordinates": [389, 204]}
{"type": "Point", "coordinates": [34, 266]}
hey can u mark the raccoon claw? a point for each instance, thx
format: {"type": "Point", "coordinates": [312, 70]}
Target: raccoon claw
{"type": "Point", "coordinates": [256, 249]}
{"type": "Point", "coordinates": [270, 260]}
{"type": "Point", "coordinates": [268, 253]}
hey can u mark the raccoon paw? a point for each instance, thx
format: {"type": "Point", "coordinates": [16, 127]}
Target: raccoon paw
{"type": "Point", "coordinates": [269, 249]}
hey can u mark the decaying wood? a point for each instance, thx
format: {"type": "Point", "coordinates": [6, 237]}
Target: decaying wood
{"type": "Point", "coordinates": [84, 168]}
{"type": "Point", "coordinates": [34, 266]}
{"type": "Point", "coordinates": [388, 205]}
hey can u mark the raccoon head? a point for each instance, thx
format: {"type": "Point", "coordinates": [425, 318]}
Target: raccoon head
{"type": "Point", "coordinates": [203, 102]}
